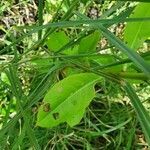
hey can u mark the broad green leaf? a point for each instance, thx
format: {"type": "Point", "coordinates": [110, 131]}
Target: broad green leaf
{"type": "Point", "coordinates": [89, 43]}
{"type": "Point", "coordinates": [142, 114]}
{"type": "Point", "coordinates": [137, 32]}
{"type": "Point", "coordinates": [103, 59]}
{"type": "Point", "coordinates": [66, 100]}
{"type": "Point", "coordinates": [57, 40]}
{"type": "Point", "coordinates": [71, 51]}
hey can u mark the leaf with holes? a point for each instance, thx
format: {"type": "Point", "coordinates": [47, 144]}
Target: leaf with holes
{"type": "Point", "coordinates": [137, 32]}
{"type": "Point", "coordinates": [66, 100]}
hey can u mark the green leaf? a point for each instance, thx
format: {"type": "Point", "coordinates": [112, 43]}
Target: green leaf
{"type": "Point", "coordinates": [89, 43]}
{"type": "Point", "coordinates": [103, 59]}
{"type": "Point", "coordinates": [137, 32]}
{"type": "Point", "coordinates": [57, 40]}
{"type": "Point", "coordinates": [42, 65]}
{"type": "Point", "coordinates": [66, 100]}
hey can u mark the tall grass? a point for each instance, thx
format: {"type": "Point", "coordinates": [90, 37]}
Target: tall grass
{"type": "Point", "coordinates": [26, 78]}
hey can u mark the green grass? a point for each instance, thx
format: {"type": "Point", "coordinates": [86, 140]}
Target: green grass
{"type": "Point", "coordinates": [118, 116]}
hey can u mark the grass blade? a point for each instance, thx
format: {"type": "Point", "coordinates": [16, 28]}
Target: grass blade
{"type": "Point", "coordinates": [134, 56]}
{"type": "Point", "coordinates": [67, 24]}
{"type": "Point", "coordinates": [18, 93]}
{"type": "Point", "coordinates": [142, 114]}
{"type": "Point", "coordinates": [40, 16]}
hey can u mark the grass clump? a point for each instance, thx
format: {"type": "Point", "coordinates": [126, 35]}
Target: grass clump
{"type": "Point", "coordinates": [45, 43]}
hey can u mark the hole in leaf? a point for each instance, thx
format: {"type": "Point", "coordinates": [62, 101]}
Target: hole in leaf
{"type": "Point", "coordinates": [56, 116]}
{"type": "Point", "coordinates": [46, 107]}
